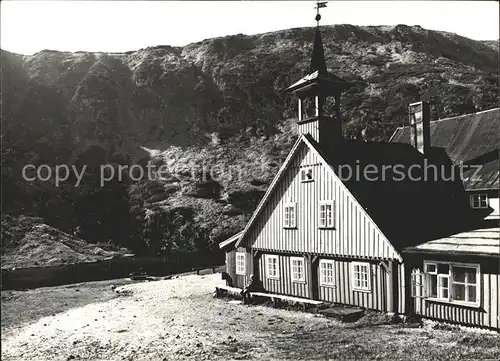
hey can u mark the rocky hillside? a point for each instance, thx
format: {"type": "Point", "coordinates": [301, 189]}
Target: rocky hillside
{"type": "Point", "coordinates": [216, 105]}
{"type": "Point", "coordinates": [28, 242]}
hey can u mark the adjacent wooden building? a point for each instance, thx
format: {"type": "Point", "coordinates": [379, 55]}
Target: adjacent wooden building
{"type": "Point", "coordinates": [340, 224]}
{"type": "Point", "coordinates": [457, 278]}
{"type": "Point", "coordinates": [473, 141]}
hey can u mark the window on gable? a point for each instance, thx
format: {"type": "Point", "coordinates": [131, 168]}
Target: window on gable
{"type": "Point", "coordinates": [240, 263]}
{"type": "Point", "coordinates": [450, 282]}
{"type": "Point", "coordinates": [360, 276]}
{"type": "Point", "coordinates": [272, 269]}
{"type": "Point", "coordinates": [306, 174]}
{"type": "Point", "coordinates": [298, 269]}
{"type": "Point", "coordinates": [479, 201]}
{"type": "Point", "coordinates": [326, 272]}
{"type": "Point", "coordinates": [290, 215]}
{"type": "Point", "coordinates": [326, 214]}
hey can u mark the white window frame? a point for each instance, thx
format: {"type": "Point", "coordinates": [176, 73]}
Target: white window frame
{"type": "Point", "coordinates": [417, 284]}
{"type": "Point", "coordinates": [441, 294]}
{"type": "Point", "coordinates": [241, 263]}
{"type": "Point", "coordinates": [297, 277]}
{"type": "Point", "coordinates": [276, 274]}
{"type": "Point", "coordinates": [323, 220]}
{"type": "Point", "coordinates": [479, 201]}
{"type": "Point", "coordinates": [449, 296]}
{"type": "Point", "coordinates": [303, 174]}
{"type": "Point", "coordinates": [362, 287]}
{"type": "Point", "coordinates": [290, 215]}
{"type": "Point", "coordinates": [427, 276]}
{"type": "Point", "coordinates": [323, 278]}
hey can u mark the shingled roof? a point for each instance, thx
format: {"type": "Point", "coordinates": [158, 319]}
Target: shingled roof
{"type": "Point", "coordinates": [471, 139]}
{"type": "Point", "coordinates": [408, 211]}
{"type": "Point", "coordinates": [482, 241]}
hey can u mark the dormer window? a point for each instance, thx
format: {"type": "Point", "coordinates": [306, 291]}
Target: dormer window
{"type": "Point", "coordinates": [479, 201]}
{"type": "Point", "coordinates": [306, 174]}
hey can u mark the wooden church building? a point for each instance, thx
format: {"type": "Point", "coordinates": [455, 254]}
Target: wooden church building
{"type": "Point", "coordinates": [338, 217]}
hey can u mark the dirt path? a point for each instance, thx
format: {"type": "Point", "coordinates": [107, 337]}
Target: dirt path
{"type": "Point", "coordinates": [23, 307]}
{"type": "Point", "coordinates": [179, 319]}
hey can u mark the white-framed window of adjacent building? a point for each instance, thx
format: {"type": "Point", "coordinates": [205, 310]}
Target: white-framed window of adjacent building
{"type": "Point", "coordinates": [327, 214]}
{"type": "Point", "coordinates": [479, 200]}
{"type": "Point", "coordinates": [360, 272]}
{"type": "Point", "coordinates": [306, 174]}
{"type": "Point", "coordinates": [290, 215]}
{"type": "Point", "coordinates": [272, 266]}
{"type": "Point", "coordinates": [240, 263]}
{"type": "Point", "coordinates": [298, 269]}
{"type": "Point", "coordinates": [326, 272]}
{"type": "Point", "coordinates": [451, 282]}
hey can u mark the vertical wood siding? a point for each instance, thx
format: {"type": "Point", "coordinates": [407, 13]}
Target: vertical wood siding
{"type": "Point", "coordinates": [355, 234]}
{"type": "Point", "coordinates": [284, 284]}
{"type": "Point", "coordinates": [343, 293]}
{"type": "Point", "coordinates": [487, 315]}
{"type": "Point", "coordinates": [231, 264]}
{"type": "Point", "coordinates": [309, 128]}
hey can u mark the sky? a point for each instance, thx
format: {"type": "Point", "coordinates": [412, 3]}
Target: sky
{"type": "Point", "coordinates": [117, 26]}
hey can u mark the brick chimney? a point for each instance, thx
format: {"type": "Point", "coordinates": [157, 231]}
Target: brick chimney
{"type": "Point", "coordinates": [420, 137]}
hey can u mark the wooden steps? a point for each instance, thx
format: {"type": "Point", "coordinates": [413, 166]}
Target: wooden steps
{"type": "Point", "coordinates": [344, 314]}
{"type": "Point", "coordinates": [275, 298]}
{"type": "Point", "coordinates": [292, 299]}
{"type": "Point", "coordinates": [223, 290]}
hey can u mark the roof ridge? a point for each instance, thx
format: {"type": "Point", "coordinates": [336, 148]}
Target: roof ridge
{"type": "Point", "coordinates": [454, 117]}
{"type": "Point", "coordinates": [464, 115]}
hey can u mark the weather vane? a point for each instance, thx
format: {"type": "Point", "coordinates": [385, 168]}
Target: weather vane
{"type": "Point", "coordinates": [319, 5]}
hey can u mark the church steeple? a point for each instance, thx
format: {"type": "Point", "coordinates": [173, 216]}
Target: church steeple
{"type": "Point", "coordinates": [313, 91]}
{"type": "Point", "coordinates": [318, 61]}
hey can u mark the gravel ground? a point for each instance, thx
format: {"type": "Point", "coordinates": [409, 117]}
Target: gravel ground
{"type": "Point", "coordinates": [179, 319]}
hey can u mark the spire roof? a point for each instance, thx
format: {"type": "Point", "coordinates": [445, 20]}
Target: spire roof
{"type": "Point", "coordinates": [318, 54]}
{"type": "Point", "coordinates": [319, 78]}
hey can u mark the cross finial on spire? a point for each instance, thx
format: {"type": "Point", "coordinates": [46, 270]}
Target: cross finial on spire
{"type": "Point", "coordinates": [319, 5]}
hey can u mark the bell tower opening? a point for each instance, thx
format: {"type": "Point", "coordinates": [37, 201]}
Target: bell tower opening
{"type": "Point", "coordinates": [309, 107]}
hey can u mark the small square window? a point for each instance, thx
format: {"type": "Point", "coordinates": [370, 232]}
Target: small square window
{"type": "Point", "coordinates": [479, 201]}
{"type": "Point", "coordinates": [306, 174]}
{"type": "Point", "coordinates": [431, 268]}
